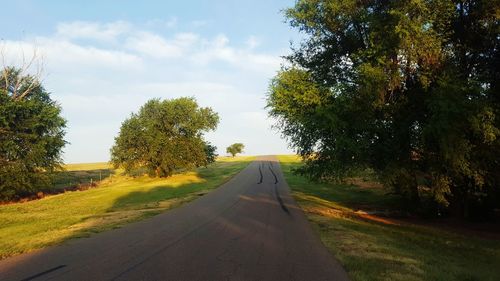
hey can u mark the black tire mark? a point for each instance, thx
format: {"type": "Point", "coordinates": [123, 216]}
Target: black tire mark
{"type": "Point", "coordinates": [261, 176]}
{"type": "Point", "coordinates": [43, 273]}
{"type": "Point", "coordinates": [275, 177]}
{"type": "Point", "coordinates": [282, 205]}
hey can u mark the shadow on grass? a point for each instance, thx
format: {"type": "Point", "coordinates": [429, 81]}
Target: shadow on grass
{"type": "Point", "coordinates": [153, 197]}
{"type": "Point", "coordinates": [357, 194]}
{"type": "Point", "coordinates": [176, 190]}
{"type": "Point", "coordinates": [374, 251]}
{"type": "Point", "coordinates": [375, 247]}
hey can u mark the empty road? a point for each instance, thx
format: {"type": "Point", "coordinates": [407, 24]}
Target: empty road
{"type": "Point", "coordinates": [248, 229]}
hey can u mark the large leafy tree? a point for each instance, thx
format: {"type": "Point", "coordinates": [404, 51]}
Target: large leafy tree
{"type": "Point", "coordinates": [31, 135]}
{"type": "Point", "coordinates": [407, 87]}
{"type": "Point", "coordinates": [164, 136]}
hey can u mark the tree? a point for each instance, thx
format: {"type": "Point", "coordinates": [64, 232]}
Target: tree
{"type": "Point", "coordinates": [408, 88]}
{"type": "Point", "coordinates": [164, 136]}
{"type": "Point", "coordinates": [31, 134]}
{"type": "Point", "coordinates": [211, 153]}
{"type": "Point", "coordinates": [235, 148]}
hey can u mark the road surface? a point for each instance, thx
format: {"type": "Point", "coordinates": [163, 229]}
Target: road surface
{"type": "Point", "coordinates": [248, 229]}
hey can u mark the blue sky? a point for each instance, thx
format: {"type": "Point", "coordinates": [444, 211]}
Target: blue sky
{"type": "Point", "coordinates": [103, 59]}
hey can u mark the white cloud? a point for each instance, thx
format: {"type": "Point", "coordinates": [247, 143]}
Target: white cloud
{"type": "Point", "coordinates": [218, 49]}
{"type": "Point", "coordinates": [153, 45]}
{"type": "Point", "coordinates": [253, 42]}
{"type": "Point", "coordinates": [72, 55]}
{"type": "Point", "coordinates": [162, 23]}
{"type": "Point", "coordinates": [92, 30]}
{"type": "Point", "coordinates": [156, 46]}
{"type": "Point", "coordinates": [199, 23]}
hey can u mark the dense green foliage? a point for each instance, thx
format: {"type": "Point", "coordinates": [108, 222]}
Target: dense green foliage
{"type": "Point", "coordinates": [164, 136]}
{"type": "Point", "coordinates": [210, 153]}
{"type": "Point", "coordinates": [235, 148]}
{"type": "Point", "coordinates": [409, 88]}
{"type": "Point", "coordinates": [31, 135]}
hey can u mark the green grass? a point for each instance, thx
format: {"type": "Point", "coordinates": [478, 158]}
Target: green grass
{"type": "Point", "coordinates": [117, 200]}
{"type": "Point", "coordinates": [382, 250]}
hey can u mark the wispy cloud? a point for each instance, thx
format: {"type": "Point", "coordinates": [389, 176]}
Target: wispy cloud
{"type": "Point", "coordinates": [163, 23]}
{"type": "Point", "coordinates": [92, 30]}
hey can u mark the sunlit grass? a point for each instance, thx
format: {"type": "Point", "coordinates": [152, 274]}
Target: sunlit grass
{"type": "Point", "coordinates": [117, 200]}
{"type": "Point", "coordinates": [378, 249]}
{"type": "Point", "coordinates": [87, 166]}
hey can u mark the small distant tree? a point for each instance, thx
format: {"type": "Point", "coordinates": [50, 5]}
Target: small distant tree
{"type": "Point", "coordinates": [164, 136]}
{"type": "Point", "coordinates": [235, 148]}
{"type": "Point", "coordinates": [31, 134]}
{"type": "Point", "coordinates": [210, 153]}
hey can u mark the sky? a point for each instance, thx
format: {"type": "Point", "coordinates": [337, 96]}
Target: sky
{"type": "Point", "coordinates": [102, 60]}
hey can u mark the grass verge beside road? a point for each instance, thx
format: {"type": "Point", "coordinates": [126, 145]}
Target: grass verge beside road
{"type": "Point", "coordinates": [375, 247]}
{"type": "Point", "coordinates": [117, 200]}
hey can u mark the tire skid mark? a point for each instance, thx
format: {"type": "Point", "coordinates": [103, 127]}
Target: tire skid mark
{"type": "Point", "coordinates": [275, 177]}
{"type": "Point", "coordinates": [261, 175]}
{"type": "Point", "coordinates": [43, 273]}
{"type": "Point", "coordinates": [282, 205]}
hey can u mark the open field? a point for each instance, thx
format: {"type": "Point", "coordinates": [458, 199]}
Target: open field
{"type": "Point", "coordinates": [87, 166]}
{"type": "Point", "coordinates": [377, 248]}
{"type": "Point", "coordinates": [117, 200]}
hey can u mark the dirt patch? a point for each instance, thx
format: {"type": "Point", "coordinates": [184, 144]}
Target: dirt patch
{"type": "Point", "coordinates": [487, 230]}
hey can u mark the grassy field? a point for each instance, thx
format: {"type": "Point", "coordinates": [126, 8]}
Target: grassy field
{"type": "Point", "coordinates": [117, 200]}
{"type": "Point", "coordinates": [374, 248]}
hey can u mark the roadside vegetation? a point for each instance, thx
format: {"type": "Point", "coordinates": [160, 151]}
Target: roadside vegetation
{"type": "Point", "coordinates": [117, 200]}
{"type": "Point", "coordinates": [355, 223]}
{"type": "Point", "coordinates": [165, 136]}
{"type": "Point", "coordinates": [31, 134]}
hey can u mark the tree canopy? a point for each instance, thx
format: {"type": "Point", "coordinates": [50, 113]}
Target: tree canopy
{"type": "Point", "coordinates": [31, 135]}
{"type": "Point", "coordinates": [235, 148]}
{"type": "Point", "coordinates": [408, 88]}
{"type": "Point", "coordinates": [164, 136]}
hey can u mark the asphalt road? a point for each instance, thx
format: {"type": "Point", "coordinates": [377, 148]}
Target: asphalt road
{"type": "Point", "coordinates": [248, 229]}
